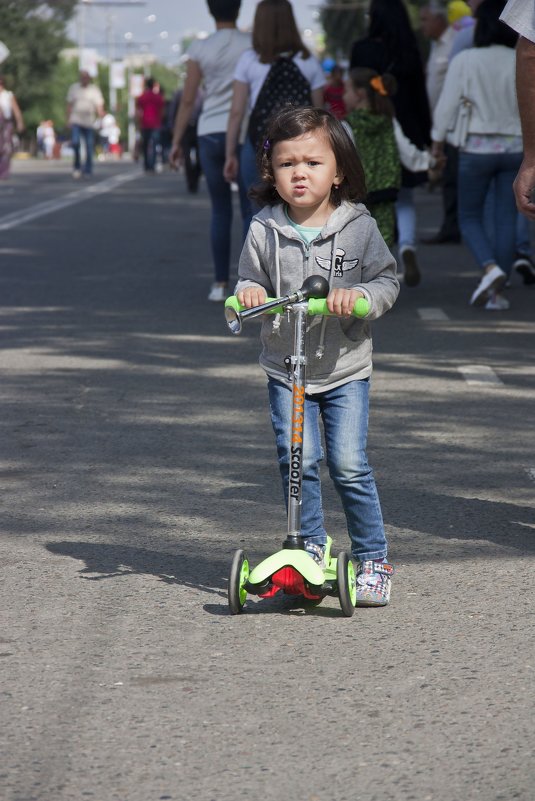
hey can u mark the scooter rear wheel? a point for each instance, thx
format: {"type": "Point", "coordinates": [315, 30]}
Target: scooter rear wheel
{"type": "Point", "coordinates": [239, 573]}
{"type": "Point", "coordinates": [347, 583]}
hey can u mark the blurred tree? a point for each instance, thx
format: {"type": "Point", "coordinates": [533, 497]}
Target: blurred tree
{"type": "Point", "coordinates": [34, 32]}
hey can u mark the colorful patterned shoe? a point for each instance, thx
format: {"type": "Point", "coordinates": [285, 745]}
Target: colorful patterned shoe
{"type": "Point", "coordinates": [317, 552]}
{"type": "Point", "coordinates": [373, 583]}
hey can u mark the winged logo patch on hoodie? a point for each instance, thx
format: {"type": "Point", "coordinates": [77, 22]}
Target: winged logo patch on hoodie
{"type": "Point", "coordinates": [340, 264]}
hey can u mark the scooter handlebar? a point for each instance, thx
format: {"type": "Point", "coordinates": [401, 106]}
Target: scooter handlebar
{"type": "Point", "coordinates": [316, 306]}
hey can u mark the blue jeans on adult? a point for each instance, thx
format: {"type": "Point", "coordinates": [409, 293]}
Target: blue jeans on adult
{"type": "Point", "coordinates": [212, 157]}
{"type": "Point", "coordinates": [406, 218]}
{"type": "Point", "coordinates": [344, 411]}
{"type": "Point", "coordinates": [149, 140]}
{"type": "Point", "coordinates": [79, 132]}
{"type": "Point", "coordinates": [477, 172]}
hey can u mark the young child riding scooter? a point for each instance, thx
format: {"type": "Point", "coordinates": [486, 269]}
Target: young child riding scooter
{"type": "Point", "coordinates": [313, 222]}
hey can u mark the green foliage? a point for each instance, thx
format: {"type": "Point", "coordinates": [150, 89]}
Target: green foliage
{"type": "Point", "coordinates": [34, 32]}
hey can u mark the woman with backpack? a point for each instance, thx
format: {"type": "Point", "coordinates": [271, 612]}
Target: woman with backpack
{"type": "Point", "coordinates": [277, 70]}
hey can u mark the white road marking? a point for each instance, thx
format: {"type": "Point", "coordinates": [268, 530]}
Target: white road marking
{"type": "Point", "coordinates": [431, 313]}
{"type": "Point", "coordinates": [478, 374]}
{"type": "Point", "coordinates": [49, 206]}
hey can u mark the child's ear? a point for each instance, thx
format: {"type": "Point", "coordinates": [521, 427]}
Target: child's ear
{"type": "Point", "coordinates": [338, 178]}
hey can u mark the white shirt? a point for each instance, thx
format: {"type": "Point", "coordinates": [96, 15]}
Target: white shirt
{"type": "Point", "coordinates": [437, 65]}
{"type": "Point", "coordinates": [217, 56]}
{"type": "Point", "coordinates": [6, 104]}
{"type": "Point", "coordinates": [520, 16]}
{"type": "Point", "coordinates": [486, 76]}
{"type": "Point", "coordinates": [86, 102]}
{"type": "Point", "coordinates": [249, 70]}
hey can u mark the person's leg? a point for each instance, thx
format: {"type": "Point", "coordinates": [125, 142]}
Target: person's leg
{"type": "Point", "coordinates": [280, 401]}
{"type": "Point", "coordinates": [89, 139]}
{"type": "Point", "coordinates": [212, 156]}
{"type": "Point", "coordinates": [249, 173]}
{"type": "Point", "coordinates": [449, 230]}
{"type": "Point", "coordinates": [345, 416]}
{"type": "Point", "coordinates": [145, 144]}
{"type": "Point", "coordinates": [245, 202]}
{"type": "Point", "coordinates": [406, 225]}
{"type": "Point", "coordinates": [75, 144]}
{"type": "Point", "coordinates": [505, 211]}
{"type": "Point", "coordinates": [477, 173]}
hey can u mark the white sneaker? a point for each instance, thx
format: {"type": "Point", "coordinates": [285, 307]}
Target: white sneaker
{"type": "Point", "coordinates": [497, 303]}
{"type": "Point", "coordinates": [218, 293]}
{"type": "Point", "coordinates": [493, 280]}
{"type": "Point", "coordinates": [76, 174]}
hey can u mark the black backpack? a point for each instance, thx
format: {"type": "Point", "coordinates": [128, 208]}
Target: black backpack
{"type": "Point", "coordinates": [285, 85]}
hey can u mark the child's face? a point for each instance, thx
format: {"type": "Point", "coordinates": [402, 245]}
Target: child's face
{"type": "Point", "coordinates": [305, 170]}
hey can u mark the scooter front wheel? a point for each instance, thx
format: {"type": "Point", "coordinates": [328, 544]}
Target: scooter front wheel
{"type": "Point", "coordinates": [239, 573]}
{"type": "Point", "coordinates": [347, 583]}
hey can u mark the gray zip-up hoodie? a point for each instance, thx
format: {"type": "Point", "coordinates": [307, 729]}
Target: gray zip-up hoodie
{"type": "Point", "coordinates": [351, 253]}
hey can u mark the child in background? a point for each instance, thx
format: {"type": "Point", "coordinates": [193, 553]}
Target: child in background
{"type": "Point", "coordinates": [383, 148]}
{"type": "Point", "coordinates": [333, 94]}
{"type": "Point", "coordinates": [313, 221]}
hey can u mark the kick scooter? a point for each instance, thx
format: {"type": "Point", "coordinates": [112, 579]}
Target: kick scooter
{"type": "Point", "coordinates": [292, 570]}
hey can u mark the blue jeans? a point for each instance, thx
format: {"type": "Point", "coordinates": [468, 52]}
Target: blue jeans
{"type": "Point", "coordinates": [406, 218]}
{"type": "Point", "coordinates": [150, 138]}
{"type": "Point", "coordinates": [79, 132]}
{"type": "Point", "coordinates": [212, 157]}
{"type": "Point", "coordinates": [344, 411]}
{"type": "Point", "coordinates": [477, 172]}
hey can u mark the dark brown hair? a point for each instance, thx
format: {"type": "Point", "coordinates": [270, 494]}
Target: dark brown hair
{"type": "Point", "coordinates": [224, 10]}
{"type": "Point", "coordinates": [291, 122]}
{"type": "Point", "coordinates": [361, 78]}
{"type": "Point", "coordinates": [275, 31]}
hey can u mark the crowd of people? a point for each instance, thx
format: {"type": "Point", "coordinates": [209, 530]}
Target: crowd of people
{"type": "Point", "coordinates": [451, 119]}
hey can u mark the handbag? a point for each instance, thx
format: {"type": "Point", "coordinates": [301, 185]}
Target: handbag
{"type": "Point", "coordinates": [458, 133]}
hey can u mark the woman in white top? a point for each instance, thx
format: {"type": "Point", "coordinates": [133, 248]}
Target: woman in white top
{"type": "Point", "coordinates": [211, 65]}
{"type": "Point", "coordinates": [275, 34]}
{"type": "Point", "coordinates": [10, 118]}
{"type": "Point", "coordinates": [492, 152]}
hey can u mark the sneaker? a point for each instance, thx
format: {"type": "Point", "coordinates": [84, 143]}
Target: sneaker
{"type": "Point", "coordinates": [76, 174]}
{"type": "Point", "coordinates": [492, 280]}
{"type": "Point", "coordinates": [497, 303]}
{"type": "Point", "coordinates": [316, 552]}
{"type": "Point", "coordinates": [410, 266]}
{"type": "Point", "coordinates": [373, 583]}
{"type": "Point", "coordinates": [525, 267]}
{"type": "Point", "coordinates": [218, 293]}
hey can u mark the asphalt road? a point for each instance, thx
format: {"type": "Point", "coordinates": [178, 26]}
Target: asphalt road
{"type": "Point", "coordinates": [137, 455]}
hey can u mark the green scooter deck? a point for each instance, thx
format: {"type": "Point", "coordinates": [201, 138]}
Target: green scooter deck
{"type": "Point", "coordinates": [300, 561]}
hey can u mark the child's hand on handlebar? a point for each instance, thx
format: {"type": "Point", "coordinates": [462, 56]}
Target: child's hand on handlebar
{"type": "Point", "coordinates": [342, 301]}
{"type": "Point", "coordinates": [252, 296]}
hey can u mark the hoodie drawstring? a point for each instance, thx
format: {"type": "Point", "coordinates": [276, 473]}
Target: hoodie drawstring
{"type": "Point", "coordinates": [278, 317]}
{"type": "Point", "coordinates": [320, 350]}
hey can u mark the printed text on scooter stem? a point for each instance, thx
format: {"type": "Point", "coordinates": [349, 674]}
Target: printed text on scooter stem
{"type": "Point", "coordinates": [297, 440]}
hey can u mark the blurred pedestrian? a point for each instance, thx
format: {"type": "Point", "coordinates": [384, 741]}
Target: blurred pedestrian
{"type": "Point", "coordinates": [435, 27]}
{"type": "Point", "coordinates": [370, 117]}
{"type": "Point", "coordinates": [10, 121]}
{"type": "Point", "coordinates": [520, 15]}
{"type": "Point", "coordinates": [85, 105]}
{"type": "Point", "coordinates": [149, 111]}
{"type": "Point", "coordinates": [190, 139]}
{"type": "Point", "coordinates": [484, 77]}
{"type": "Point", "coordinates": [333, 94]}
{"type": "Point", "coordinates": [277, 70]}
{"type": "Point", "coordinates": [391, 46]}
{"type": "Point", "coordinates": [211, 64]}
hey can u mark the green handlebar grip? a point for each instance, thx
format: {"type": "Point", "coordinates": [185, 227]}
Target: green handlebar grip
{"type": "Point", "coordinates": [315, 306]}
